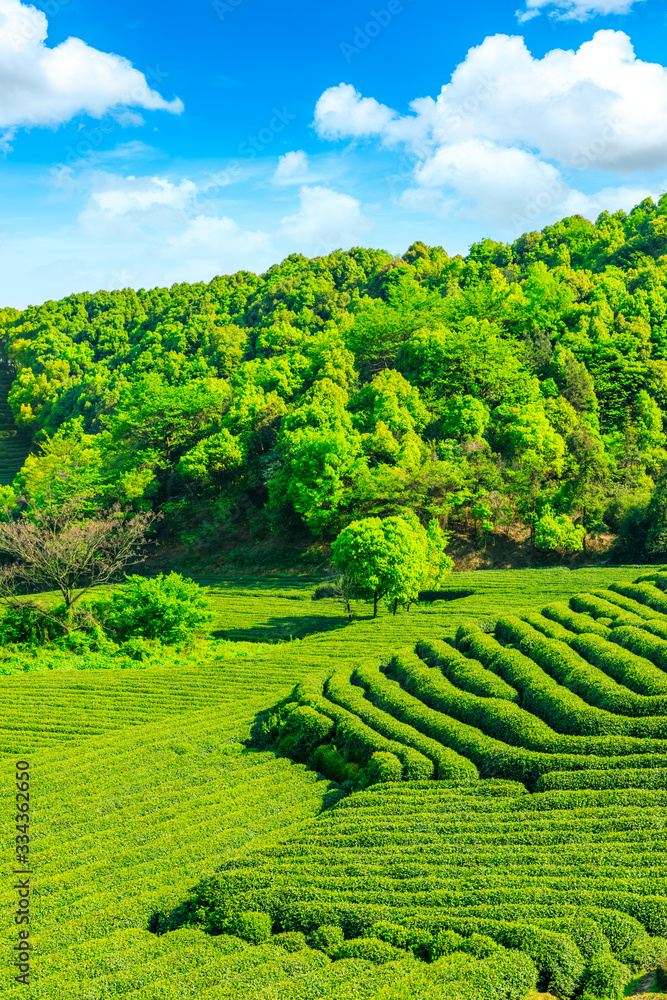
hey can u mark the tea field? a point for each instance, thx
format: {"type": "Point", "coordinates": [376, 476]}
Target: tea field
{"type": "Point", "coordinates": [464, 802]}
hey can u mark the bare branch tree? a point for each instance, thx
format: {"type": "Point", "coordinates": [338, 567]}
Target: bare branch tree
{"type": "Point", "coordinates": [54, 548]}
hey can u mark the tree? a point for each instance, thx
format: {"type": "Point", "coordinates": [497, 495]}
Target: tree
{"type": "Point", "coordinates": [557, 531]}
{"type": "Point", "coordinates": [391, 559]}
{"type": "Point", "coordinates": [55, 548]}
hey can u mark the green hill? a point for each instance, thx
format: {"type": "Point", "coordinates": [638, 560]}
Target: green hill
{"type": "Point", "coordinates": [517, 393]}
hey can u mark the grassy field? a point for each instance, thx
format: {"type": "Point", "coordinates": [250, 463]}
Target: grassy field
{"type": "Point", "coordinates": [143, 785]}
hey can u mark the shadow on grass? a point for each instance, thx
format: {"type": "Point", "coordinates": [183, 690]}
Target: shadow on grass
{"type": "Point", "coordinates": [283, 629]}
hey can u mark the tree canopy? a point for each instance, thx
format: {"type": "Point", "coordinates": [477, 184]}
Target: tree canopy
{"type": "Point", "coordinates": [489, 389]}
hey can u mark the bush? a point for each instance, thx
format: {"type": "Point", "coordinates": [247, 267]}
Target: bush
{"type": "Point", "coordinates": [394, 934]}
{"type": "Point", "coordinates": [250, 926]}
{"type": "Point", "coordinates": [169, 608]}
{"type": "Point", "coordinates": [303, 730]}
{"type": "Point", "coordinates": [445, 943]}
{"type": "Point", "coordinates": [480, 945]}
{"type": "Point", "coordinates": [384, 767]}
{"type": "Point", "coordinates": [369, 949]}
{"type": "Point", "coordinates": [330, 762]}
{"type": "Point", "coordinates": [290, 941]}
{"type": "Point", "coordinates": [327, 938]}
{"type": "Point", "coordinates": [25, 625]}
{"type": "Point", "coordinates": [328, 590]}
{"type": "Point", "coordinates": [606, 977]}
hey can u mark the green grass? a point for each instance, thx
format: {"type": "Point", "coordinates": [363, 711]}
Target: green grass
{"type": "Point", "coordinates": [142, 787]}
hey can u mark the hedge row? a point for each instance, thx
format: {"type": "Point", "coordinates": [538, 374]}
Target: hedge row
{"type": "Point", "coordinates": [357, 741]}
{"type": "Point", "coordinates": [560, 611]}
{"type": "Point", "coordinates": [492, 757]}
{"type": "Point", "coordinates": [467, 674]}
{"type": "Point", "coordinates": [498, 718]}
{"type": "Point", "coordinates": [636, 672]}
{"type": "Point", "coordinates": [643, 593]}
{"type": "Point", "coordinates": [653, 621]}
{"type": "Point", "coordinates": [623, 778]}
{"type": "Point", "coordinates": [643, 644]}
{"type": "Point", "coordinates": [598, 607]}
{"type": "Point", "coordinates": [604, 696]}
{"type": "Point", "coordinates": [547, 626]}
{"type": "Point", "coordinates": [560, 707]}
{"type": "Point", "coordinates": [448, 764]}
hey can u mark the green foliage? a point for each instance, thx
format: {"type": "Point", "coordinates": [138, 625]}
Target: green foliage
{"type": "Point", "coordinates": [391, 558]}
{"type": "Point", "coordinates": [169, 608]}
{"type": "Point", "coordinates": [249, 926]}
{"type": "Point", "coordinates": [327, 938]}
{"type": "Point", "coordinates": [384, 767]}
{"type": "Point", "coordinates": [485, 389]}
{"type": "Point", "coordinates": [556, 531]}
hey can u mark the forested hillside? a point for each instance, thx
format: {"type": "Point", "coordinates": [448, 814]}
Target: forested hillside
{"type": "Point", "coordinates": [522, 386]}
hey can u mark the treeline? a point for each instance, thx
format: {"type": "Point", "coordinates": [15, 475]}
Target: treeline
{"type": "Point", "coordinates": [523, 385]}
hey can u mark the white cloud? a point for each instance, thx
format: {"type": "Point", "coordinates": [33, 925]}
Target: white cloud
{"type": "Point", "coordinates": [511, 134]}
{"type": "Point", "coordinates": [576, 10]}
{"type": "Point", "coordinates": [490, 181]}
{"type": "Point", "coordinates": [326, 220]}
{"type": "Point", "coordinates": [122, 206]}
{"type": "Point", "coordinates": [342, 112]}
{"type": "Point", "coordinates": [215, 245]}
{"type": "Point", "coordinates": [42, 86]}
{"type": "Point", "coordinates": [292, 168]}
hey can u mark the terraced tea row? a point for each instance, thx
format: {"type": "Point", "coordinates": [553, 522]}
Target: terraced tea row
{"type": "Point", "coordinates": [47, 709]}
{"type": "Point", "coordinates": [567, 877]}
{"type": "Point", "coordinates": [560, 691]}
{"type": "Point", "coordinates": [122, 825]}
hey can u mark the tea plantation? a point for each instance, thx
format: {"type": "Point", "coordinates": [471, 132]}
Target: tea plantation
{"type": "Point", "coordinates": [467, 802]}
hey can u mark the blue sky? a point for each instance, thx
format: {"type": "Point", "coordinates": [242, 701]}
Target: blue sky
{"type": "Point", "coordinates": [147, 143]}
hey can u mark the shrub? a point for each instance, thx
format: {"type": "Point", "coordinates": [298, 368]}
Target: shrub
{"type": "Point", "coordinates": [169, 608]}
{"type": "Point", "coordinates": [330, 762]}
{"type": "Point", "coordinates": [384, 767]}
{"type": "Point", "coordinates": [445, 943]}
{"type": "Point", "coordinates": [303, 730]}
{"type": "Point", "coordinates": [328, 590]}
{"type": "Point", "coordinates": [251, 926]}
{"type": "Point", "coordinates": [480, 945]}
{"type": "Point", "coordinates": [395, 934]}
{"type": "Point", "coordinates": [606, 978]}
{"type": "Point", "coordinates": [327, 938]}
{"type": "Point", "coordinates": [369, 949]}
{"type": "Point", "coordinates": [25, 625]}
{"type": "Point", "coordinates": [290, 941]}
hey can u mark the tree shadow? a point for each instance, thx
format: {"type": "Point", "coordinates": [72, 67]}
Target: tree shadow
{"type": "Point", "coordinates": [282, 629]}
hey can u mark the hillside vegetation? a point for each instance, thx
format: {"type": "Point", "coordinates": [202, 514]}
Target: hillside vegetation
{"type": "Point", "coordinates": [520, 389]}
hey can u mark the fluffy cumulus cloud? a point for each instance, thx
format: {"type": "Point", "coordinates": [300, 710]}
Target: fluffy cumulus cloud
{"type": "Point", "coordinates": [292, 168]}
{"type": "Point", "coordinates": [510, 131]}
{"type": "Point", "coordinates": [326, 220]}
{"type": "Point", "coordinates": [43, 86]}
{"type": "Point", "coordinates": [122, 207]}
{"type": "Point", "coordinates": [575, 10]}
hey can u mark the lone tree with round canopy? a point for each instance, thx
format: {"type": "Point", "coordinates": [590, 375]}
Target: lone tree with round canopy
{"type": "Point", "coordinates": [389, 559]}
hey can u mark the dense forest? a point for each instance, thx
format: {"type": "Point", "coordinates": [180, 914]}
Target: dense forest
{"type": "Point", "coordinates": [523, 387]}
